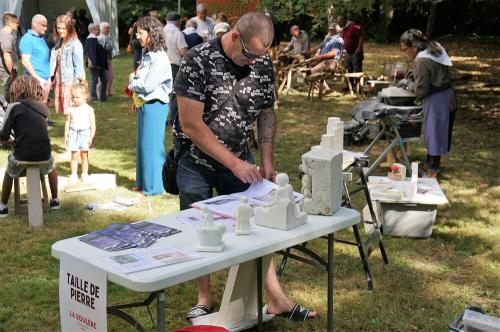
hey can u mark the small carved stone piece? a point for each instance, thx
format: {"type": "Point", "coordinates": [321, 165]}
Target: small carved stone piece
{"type": "Point", "coordinates": [243, 214]}
{"type": "Point", "coordinates": [282, 213]}
{"type": "Point", "coordinates": [210, 234]}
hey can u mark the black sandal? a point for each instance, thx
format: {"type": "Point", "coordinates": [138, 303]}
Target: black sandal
{"type": "Point", "coordinates": [297, 314]}
{"type": "Point", "coordinates": [198, 311]}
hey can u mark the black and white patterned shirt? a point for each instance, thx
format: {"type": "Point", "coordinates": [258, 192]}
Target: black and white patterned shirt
{"type": "Point", "coordinates": [207, 75]}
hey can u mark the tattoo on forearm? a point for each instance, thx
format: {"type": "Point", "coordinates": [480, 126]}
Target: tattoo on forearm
{"type": "Point", "coordinates": [266, 126]}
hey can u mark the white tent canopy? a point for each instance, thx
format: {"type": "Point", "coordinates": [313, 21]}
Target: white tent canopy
{"type": "Point", "coordinates": [100, 10]}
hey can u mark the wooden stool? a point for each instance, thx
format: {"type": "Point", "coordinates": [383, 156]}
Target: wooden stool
{"type": "Point", "coordinates": [359, 82]}
{"type": "Point", "coordinates": [35, 205]}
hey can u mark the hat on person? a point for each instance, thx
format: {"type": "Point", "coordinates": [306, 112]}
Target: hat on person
{"type": "Point", "coordinates": [221, 27]}
{"type": "Point", "coordinates": [173, 16]}
{"type": "Point", "coordinates": [334, 26]}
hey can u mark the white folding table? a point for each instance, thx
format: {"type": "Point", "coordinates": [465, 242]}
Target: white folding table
{"type": "Point", "coordinates": [244, 254]}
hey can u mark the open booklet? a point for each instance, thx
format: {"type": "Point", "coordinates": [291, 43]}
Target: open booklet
{"type": "Point", "coordinates": [259, 194]}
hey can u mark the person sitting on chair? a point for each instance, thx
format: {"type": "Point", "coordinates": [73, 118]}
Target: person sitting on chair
{"type": "Point", "coordinates": [329, 52]}
{"type": "Point", "coordinates": [300, 41]}
{"type": "Point", "coordinates": [27, 118]}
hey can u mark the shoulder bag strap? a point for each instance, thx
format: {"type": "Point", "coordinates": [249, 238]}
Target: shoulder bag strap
{"type": "Point", "coordinates": [212, 117]}
{"type": "Point", "coordinates": [222, 107]}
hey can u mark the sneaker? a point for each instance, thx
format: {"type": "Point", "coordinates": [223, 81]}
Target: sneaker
{"type": "Point", "coordinates": [4, 212]}
{"type": "Point", "coordinates": [54, 204]}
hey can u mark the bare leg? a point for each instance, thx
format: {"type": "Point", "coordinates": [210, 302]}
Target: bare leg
{"type": "Point", "coordinates": [74, 164]}
{"type": "Point", "coordinates": [85, 162]}
{"type": "Point", "coordinates": [6, 188]}
{"type": "Point", "coordinates": [317, 69]}
{"type": "Point", "coordinates": [278, 301]}
{"type": "Point", "coordinates": [204, 292]}
{"type": "Point", "coordinates": [53, 183]}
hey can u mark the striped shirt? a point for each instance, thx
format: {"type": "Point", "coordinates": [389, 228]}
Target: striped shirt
{"type": "Point", "coordinates": [333, 43]}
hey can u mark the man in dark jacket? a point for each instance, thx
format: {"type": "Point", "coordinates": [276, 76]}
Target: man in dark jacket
{"type": "Point", "coordinates": [190, 34]}
{"type": "Point", "coordinates": [97, 62]}
{"type": "Point", "coordinates": [27, 118]}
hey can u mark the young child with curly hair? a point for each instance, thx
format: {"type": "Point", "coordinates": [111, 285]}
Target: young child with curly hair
{"type": "Point", "coordinates": [26, 117]}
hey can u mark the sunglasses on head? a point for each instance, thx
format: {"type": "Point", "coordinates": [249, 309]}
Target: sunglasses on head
{"type": "Point", "coordinates": [246, 52]}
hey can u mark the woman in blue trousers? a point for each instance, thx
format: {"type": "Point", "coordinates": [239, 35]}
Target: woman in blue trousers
{"type": "Point", "coordinates": [433, 87]}
{"type": "Point", "coordinates": [151, 84]}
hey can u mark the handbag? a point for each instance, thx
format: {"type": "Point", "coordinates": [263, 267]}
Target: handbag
{"type": "Point", "coordinates": [169, 170]}
{"type": "Point", "coordinates": [169, 173]}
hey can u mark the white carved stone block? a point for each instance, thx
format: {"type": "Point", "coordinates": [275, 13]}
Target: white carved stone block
{"type": "Point", "coordinates": [324, 167]}
{"type": "Point", "coordinates": [282, 213]}
{"type": "Point", "coordinates": [210, 234]}
{"type": "Point", "coordinates": [334, 137]}
{"type": "Point", "coordinates": [283, 216]}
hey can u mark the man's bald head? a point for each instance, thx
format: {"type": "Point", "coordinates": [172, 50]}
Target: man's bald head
{"type": "Point", "coordinates": [39, 24]}
{"type": "Point", "coordinates": [295, 31]}
{"type": "Point", "coordinates": [258, 25]}
{"type": "Point", "coordinates": [38, 18]}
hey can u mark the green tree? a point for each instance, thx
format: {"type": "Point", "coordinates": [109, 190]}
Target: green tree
{"type": "Point", "coordinates": [375, 15]}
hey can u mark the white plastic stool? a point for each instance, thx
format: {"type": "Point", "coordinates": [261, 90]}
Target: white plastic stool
{"type": "Point", "coordinates": [35, 204]}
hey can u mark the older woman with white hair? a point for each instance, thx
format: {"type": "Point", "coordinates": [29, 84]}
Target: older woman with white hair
{"type": "Point", "coordinates": [106, 42]}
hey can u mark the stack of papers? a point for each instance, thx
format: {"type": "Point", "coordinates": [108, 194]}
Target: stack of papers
{"type": "Point", "coordinates": [196, 218]}
{"type": "Point", "coordinates": [124, 236]}
{"type": "Point", "coordinates": [158, 256]}
{"type": "Point", "coordinates": [259, 194]}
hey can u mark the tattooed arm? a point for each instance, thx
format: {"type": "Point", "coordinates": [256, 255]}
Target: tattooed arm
{"type": "Point", "coordinates": [266, 130]}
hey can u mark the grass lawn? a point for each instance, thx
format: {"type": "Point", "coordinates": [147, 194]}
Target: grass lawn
{"type": "Point", "coordinates": [427, 283]}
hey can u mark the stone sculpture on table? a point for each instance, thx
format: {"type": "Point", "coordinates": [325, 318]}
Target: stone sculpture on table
{"type": "Point", "coordinates": [243, 214]}
{"type": "Point", "coordinates": [210, 234]}
{"type": "Point", "coordinates": [322, 168]}
{"type": "Point", "coordinates": [282, 213]}
{"type": "Point", "coordinates": [414, 180]}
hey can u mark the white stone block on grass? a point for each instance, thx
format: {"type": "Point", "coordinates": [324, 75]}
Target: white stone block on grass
{"type": "Point", "coordinates": [103, 180]}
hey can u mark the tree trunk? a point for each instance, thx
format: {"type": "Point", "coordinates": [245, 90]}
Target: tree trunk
{"type": "Point", "coordinates": [431, 20]}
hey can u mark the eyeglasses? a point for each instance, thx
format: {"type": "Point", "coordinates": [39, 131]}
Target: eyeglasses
{"type": "Point", "coordinates": [246, 52]}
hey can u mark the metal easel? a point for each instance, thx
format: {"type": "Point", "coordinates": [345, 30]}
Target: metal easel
{"type": "Point", "coordinates": [364, 248]}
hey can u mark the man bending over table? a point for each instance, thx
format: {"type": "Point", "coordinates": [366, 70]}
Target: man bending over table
{"type": "Point", "coordinates": [232, 78]}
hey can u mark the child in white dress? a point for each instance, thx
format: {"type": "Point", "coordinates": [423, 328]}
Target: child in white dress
{"type": "Point", "coordinates": [79, 131]}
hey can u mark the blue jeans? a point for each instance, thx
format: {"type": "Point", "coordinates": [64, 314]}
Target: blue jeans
{"type": "Point", "coordinates": [196, 183]}
{"type": "Point", "coordinates": [98, 73]}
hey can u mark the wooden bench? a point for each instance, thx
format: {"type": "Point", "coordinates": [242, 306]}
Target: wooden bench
{"type": "Point", "coordinates": [34, 182]}
{"type": "Point", "coordinates": [359, 78]}
{"type": "Point", "coordinates": [316, 79]}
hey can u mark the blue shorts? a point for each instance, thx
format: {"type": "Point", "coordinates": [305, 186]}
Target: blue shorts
{"type": "Point", "coordinates": [15, 171]}
{"type": "Point", "coordinates": [78, 140]}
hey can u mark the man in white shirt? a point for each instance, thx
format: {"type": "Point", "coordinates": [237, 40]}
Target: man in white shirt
{"type": "Point", "coordinates": [205, 24]}
{"type": "Point", "coordinates": [176, 48]}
